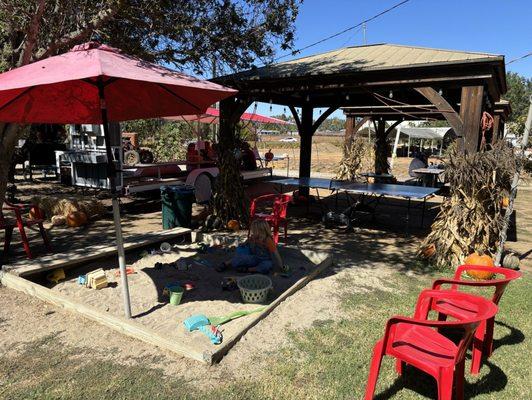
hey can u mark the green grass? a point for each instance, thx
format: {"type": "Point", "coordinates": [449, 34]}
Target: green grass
{"type": "Point", "coordinates": [327, 361]}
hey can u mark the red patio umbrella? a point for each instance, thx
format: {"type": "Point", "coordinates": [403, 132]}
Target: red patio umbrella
{"type": "Point", "coordinates": [95, 84]}
{"type": "Point", "coordinates": [212, 116]}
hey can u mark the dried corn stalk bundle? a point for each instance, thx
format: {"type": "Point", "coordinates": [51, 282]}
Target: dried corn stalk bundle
{"type": "Point", "coordinates": [470, 219]}
{"type": "Point", "coordinates": [62, 206]}
{"type": "Point", "coordinates": [356, 154]}
{"type": "Point", "coordinates": [229, 200]}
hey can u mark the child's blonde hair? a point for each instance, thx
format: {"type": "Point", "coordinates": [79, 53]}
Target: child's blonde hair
{"type": "Point", "coordinates": [260, 230]}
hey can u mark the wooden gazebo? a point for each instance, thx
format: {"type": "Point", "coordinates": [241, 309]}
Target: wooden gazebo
{"type": "Point", "coordinates": [384, 82]}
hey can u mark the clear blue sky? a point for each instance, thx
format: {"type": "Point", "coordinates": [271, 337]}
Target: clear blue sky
{"type": "Point", "coordinates": [499, 27]}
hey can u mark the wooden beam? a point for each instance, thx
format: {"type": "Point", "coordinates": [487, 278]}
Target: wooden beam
{"type": "Point", "coordinates": [470, 113]}
{"type": "Point", "coordinates": [322, 118]}
{"type": "Point", "coordinates": [305, 150]}
{"type": "Point", "coordinates": [452, 117]}
{"type": "Point", "coordinates": [390, 128]}
{"type": "Point", "coordinates": [90, 253]}
{"type": "Point", "coordinates": [296, 117]}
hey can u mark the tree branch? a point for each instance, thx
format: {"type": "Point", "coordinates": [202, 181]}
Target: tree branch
{"type": "Point", "coordinates": [31, 36]}
{"type": "Point", "coordinates": [76, 36]}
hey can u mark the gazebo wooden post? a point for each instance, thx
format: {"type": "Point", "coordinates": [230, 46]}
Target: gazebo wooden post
{"type": "Point", "coordinates": [305, 151]}
{"type": "Point", "coordinates": [470, 114]}
{"type": "Point", "coordinates": [496, 127]}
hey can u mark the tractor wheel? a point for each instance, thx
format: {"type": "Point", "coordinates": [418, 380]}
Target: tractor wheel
{"type": "Point", "coordinates": [146, 156]}
{"type": "Point", "coordinates": [131, 157]}
{"type": "Point", "coordinates": [203, 188]}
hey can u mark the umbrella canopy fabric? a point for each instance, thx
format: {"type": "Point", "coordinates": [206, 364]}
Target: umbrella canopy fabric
{"type": "Point", "coordinates": [65, 89]}
{"type": "Point", "coordinates": [212, 116]}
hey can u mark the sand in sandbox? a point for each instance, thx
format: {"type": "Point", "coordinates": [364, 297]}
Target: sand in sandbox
{"type": "Point", "coordinates": [151, 308]}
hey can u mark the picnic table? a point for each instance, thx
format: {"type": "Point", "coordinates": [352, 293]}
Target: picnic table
{"type": "Point", "coordinates": [369, 192]}
{"type": "Point", "coordinates": [433, 173]}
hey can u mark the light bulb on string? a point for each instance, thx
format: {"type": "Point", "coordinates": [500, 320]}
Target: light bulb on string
{"type": "Point", "coordinates": [390, 95]}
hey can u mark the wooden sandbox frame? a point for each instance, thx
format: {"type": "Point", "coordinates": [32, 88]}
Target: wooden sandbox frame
{"type": "Point", "coordinates": [14, 277]}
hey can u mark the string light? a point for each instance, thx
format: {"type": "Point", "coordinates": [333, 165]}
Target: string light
{"type": "Point", "coordinates": [390, 95]}
{"type": "Point", "coordinates": [347, 97]}
{"type": "Point", "coordinates": [440, 92]}
{"type": "Point", "coordinates": [271, 107]}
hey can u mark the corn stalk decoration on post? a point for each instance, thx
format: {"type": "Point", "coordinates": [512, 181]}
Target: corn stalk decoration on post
{"type": "Point", "coordinates": [472, 217]}
{"type": "Point", "coordinates": [230, 201]}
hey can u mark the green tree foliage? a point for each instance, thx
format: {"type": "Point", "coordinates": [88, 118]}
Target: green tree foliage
{"type": "Point", "coordinates": [519, 92]}
{"type": "Point", "coordinates": [167, 140]}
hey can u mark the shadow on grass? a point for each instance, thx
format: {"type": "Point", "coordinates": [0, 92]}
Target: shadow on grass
{"type": "Point", "coordinates": [515, 336]}
{"type": "Point", "coordinates": [413, 379]}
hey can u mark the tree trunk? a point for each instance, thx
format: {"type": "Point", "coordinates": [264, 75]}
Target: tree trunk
{"type": "Point", "coordinates": [9, 134]}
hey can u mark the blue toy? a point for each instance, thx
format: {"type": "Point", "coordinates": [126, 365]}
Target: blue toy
{"type": "Point", "coordinates": [195, 322]}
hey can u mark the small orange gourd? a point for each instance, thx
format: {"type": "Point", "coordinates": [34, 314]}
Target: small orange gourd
{"type": "Point", "coordinates": [76, 218]}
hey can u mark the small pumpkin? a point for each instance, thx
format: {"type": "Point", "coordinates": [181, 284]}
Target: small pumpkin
{"type": "Point", "coordinates": [76, 218]}
{"type": "Point", "coordinates": [233, 225]}
{"type": "Point", "coordinates": [482, 260]}
{"type": "Point", "coordinates": [429, 251]}
{"type": "Point", "coordinates": [511, 261]}
{"type": "Point", "coordinates": [505, 202]}
{"type": "Point", "coordinates": [35, 213]}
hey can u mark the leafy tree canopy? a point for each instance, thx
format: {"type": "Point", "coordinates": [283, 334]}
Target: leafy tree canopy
{"type": "Point", "coordinates": [186, 34]}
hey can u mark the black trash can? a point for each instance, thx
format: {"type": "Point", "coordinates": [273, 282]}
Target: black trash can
{"type": "Point", "coordinates": [177, 206]}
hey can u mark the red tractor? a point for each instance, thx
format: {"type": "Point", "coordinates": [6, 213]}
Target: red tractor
{"type": "Point", "coordinates": [133, 153]}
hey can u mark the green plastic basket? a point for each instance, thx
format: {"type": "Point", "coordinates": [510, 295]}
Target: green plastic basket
{"type": "Point", "coordinates": [255, 288]}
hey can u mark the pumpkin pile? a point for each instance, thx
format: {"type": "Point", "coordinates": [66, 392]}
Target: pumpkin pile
{"type": "Point", "coordinates": [70, 211]}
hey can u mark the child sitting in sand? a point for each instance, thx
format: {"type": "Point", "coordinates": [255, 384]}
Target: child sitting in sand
{"type": "Point", "coordinates": [258, 254]}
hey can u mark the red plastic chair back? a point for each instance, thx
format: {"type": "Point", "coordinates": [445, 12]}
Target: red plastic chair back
{"type": "Point", "coordinates": [498, 283]}
{"type": "Point", "coordinates": [279, 204]}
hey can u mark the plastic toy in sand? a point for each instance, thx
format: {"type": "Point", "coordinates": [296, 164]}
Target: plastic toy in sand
{"type": "Point", "coordinates": [56, 275]}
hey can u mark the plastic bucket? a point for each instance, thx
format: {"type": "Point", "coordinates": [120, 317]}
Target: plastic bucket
{"type": "Point", "coordinates": [177, 206]}
{"type": "Point", "coordinates": [175, 294]}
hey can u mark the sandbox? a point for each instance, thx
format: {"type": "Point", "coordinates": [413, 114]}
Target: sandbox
{"type": "Point", "coordinates": [154, 319]}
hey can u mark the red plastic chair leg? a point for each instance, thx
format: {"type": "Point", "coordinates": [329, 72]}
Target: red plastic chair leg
{"type": "Point", "coordinates": [399, 366]}
{"type": "Point", "coordinates": [374, 370]}
{"type": "Point", "coordinates": [477, 348]}
{"type": "Point", "coordinates": [445, 385]}
{"type": "Point", "coordinates": [459, 381]}
{"type": "Point", "coordinates": [276, 233]}
{"type": "Point", "coordinates": [7, 239]}
{"type": "Point", "coordinates": [488, 337]}
{"type": "Point", "coordinates": [24, 238]}
{"type": "Point", "coordinates": [45, 237]}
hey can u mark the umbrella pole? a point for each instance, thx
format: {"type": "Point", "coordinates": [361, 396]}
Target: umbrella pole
{"type": "Point", "coordinates": [111, 174]}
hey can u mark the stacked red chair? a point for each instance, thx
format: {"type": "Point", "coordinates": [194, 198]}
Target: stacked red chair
{"type": "Point", "coordinates": [277, 217]}
{"type": "Point", "coordinates": [464, 309]}
{"type": "Point", "coordinates": [417, 341]}
{"type": "Point", "coordinates": [9, 224]}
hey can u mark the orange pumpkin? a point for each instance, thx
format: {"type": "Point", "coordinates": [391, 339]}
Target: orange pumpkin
{"type": "Point", "coordinates": [483, 260]}
{"type": "Point", "coordinates": [429, 250]}
{"type": "Point", "coordinates": [505, 202]}
{"type": "Point", "coordinates": [233, 225]}
{"type": "Point", "coordinates": [76, 218]}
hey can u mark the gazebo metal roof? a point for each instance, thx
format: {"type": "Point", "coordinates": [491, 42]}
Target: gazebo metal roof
{"type": "Point", "coordinates": [364, 59]}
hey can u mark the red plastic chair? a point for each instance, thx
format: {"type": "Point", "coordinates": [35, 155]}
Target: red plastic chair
{"type": "Point", "coordinates": [8, 225]}
{"type": "Point", "coordinates": [463, 309]}
{"type": "Point", "coordinates": [277, 218]}
{"type": "Point", "coordinates": [416, 341]}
